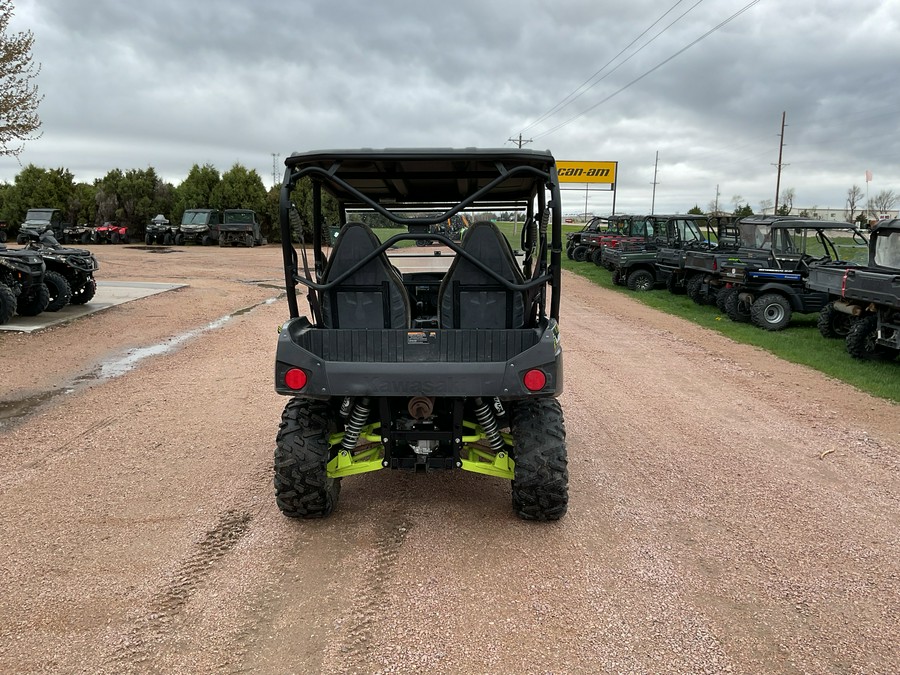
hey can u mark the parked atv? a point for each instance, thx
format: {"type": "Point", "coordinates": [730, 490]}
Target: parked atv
{"type": "Point", "coordinates": [77, 234]}
{"type": "Point", "coordinates": [864, 300]}
{"type": "Point", "coordinates": [240, 228]}
{"type": "Point", "coordinates": [70, 272]}
{"type": "Point", "coordinates": [22, 288]}
{"type": "Point", "coordinates": [160, 231]}
{"type": "Point", "coordinates": [111, 233]}
{"type": "Point", "coordinates": [454, 368]}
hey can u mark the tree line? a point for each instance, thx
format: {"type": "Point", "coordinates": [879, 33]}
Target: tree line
{"type": "Point", "coordinates": [135, 196]}
{"type": "Point", "coordinates": [856, 209]}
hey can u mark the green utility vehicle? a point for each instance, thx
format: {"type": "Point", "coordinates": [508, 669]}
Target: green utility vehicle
{"type": "Point", "coordinates": [199, 226]}
{"type": "Point", "coordinates": [636, 264]}
{"type": "Point", "coordinates": [240, 228]}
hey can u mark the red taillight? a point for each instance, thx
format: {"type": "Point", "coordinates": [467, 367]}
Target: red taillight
{"type": "Point", "coordinates": [295, 378]}
{"type": "Point", "coordinates": [534, 380]}
{"type": "Point", "coordinates": [715, 265]}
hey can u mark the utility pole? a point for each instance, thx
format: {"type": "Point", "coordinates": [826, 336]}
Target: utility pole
{"type": "Point", "coordinates": [653, 201]}
{"type": "Point", "coordinates": [274, 169]}
{"type": "Point", "coordinates": [520, 141]}
{"type": "Point", "coordinates": [716, 209]}
{"type": "Point", "coordinates": [779, 165]}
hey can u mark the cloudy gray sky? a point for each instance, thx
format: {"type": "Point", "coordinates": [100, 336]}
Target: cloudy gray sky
{"type": "Point", "coordinates": [170, 83]}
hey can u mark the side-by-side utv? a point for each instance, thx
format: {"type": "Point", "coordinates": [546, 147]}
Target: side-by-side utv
{"type": "Point", "coordinates": [445, 360]}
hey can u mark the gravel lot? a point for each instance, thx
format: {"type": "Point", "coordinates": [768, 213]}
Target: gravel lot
{"type": "Point", "coordinates": [729, 512]}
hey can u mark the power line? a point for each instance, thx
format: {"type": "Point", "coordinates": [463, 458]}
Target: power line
{"type": "Point", "coordinates": [577, 93]}
{"type": "Point", "coordinates": [652, 70]}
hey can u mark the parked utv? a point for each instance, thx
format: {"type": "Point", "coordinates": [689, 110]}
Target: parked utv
{"type": "Point", "coordinates": [636, 264]}
{"type": "Point", "coordinates": [199, 226]}
{"type": "Point", "coordinates": [454, 366]}
{"type": "Point", "coordinates": [70, 272]}
{"type": "Point", "coordinates": [22, 288]}
{"type": "Point", "coordinates": [240, 228]}
{"type": "Point", "coordinates": [864, 305]}
{"type": "Point", "coordinates": [686, 234]}
{"type": "Point", "coordinates": [576, 242]}
{"type": "Point", "coordinates": [622, 230]}
{"type": "Point", "coordinates": [37, 221]}
{"type": "Point", "coordinates": [770, 287]}
{"type": "Point", "coordinates": [160, 231]}
{"type": "Point", "coordinates": [737, 245]}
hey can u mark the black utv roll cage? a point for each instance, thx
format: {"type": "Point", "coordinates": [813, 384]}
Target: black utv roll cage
{"type": "Point", "coordinates": [506, 188]}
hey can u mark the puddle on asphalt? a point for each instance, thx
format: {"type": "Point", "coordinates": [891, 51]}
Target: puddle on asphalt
{"type": "Point", "coordinates": [156, 249]}
{"type": "Point", "coordinates": [11, 411]}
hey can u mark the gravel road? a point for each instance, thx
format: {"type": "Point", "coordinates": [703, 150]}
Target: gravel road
{"type": "Point", "coordinates": [729, 512]}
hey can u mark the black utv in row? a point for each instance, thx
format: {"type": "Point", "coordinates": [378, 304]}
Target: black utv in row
{"type": "Point", "coordinates": [416, 361]}
{"type": "Point", "coordinates": [765, 281]}
{"type": "Point", "coordinates": [864, 301]}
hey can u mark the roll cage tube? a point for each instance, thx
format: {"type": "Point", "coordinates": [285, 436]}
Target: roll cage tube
{"type": "Point", "coordinates": [289, 253]}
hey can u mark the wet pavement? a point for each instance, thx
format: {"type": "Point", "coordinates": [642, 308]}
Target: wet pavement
{"type": "Point", "coordinates": [109, 294]}
{"type": "Point", "coordinates": [118, 365]}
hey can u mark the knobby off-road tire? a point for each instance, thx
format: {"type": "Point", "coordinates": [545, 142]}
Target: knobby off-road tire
{"type": "Point", "coordinates": [673, 286]}
{"type": "Point", "coordinates": [540, 489]}
{"type": "Point", "coordinates": [617, 278]}
{"type": "Point", "coordinates": [85, 293]}
{"type": "Point", "coordinates": [695, 289]}
{"type": "Point", "coordinates": [579, 254]}
{"type": "Point", "coordinates": [771, 312]}
{"type": "Point", "coordinates": [60, 292]}
{"type": "Point", "coordinates": [36, 302]}
{"type": "Point", "coordinates": [569, 250]}
{"type": "Point", "coordinates": [721, 297]}
{"type": "Point", "coordinates": [302, 487]}
{"type": "Point", "coordinates": [834, 324]}
{"type": "Point", "coordinates": [7, 304]}
{"type": "Point", "coordinates": [641, 281]}
{"type": "Point", "coordinates": [596, 257]}
{"type": "Point", "coordinates": [148, 240]}
{"type": "Point", "coordinates": [736, 309]}
{"type": "Point", "coordinates": [861, 341]}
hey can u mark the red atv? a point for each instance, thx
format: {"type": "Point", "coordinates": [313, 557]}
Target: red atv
{"type": "Point", "coordinates": [110, 233]}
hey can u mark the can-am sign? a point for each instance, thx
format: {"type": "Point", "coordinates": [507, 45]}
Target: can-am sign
{"type": "Point", "coordinates": [586, 172]}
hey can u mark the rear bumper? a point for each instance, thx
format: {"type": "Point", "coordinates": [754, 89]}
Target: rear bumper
{"type": "Point", "coordinates": [431, 362]}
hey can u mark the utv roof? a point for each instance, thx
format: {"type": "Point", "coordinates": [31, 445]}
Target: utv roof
{"type": "Point", "coordinates": [418, 176]}
{"type": "Point", "coordinates": [795, 221]}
